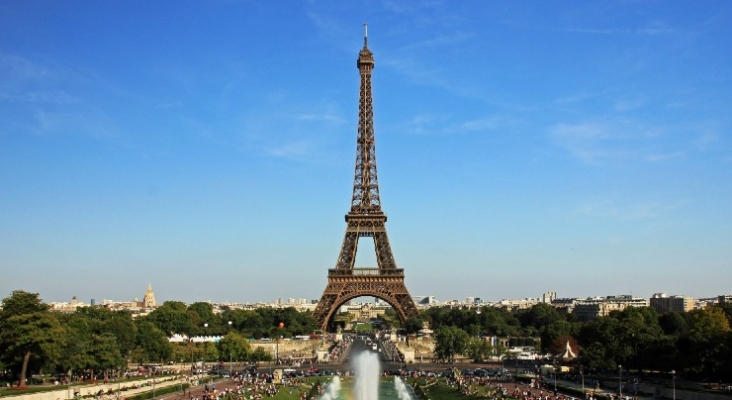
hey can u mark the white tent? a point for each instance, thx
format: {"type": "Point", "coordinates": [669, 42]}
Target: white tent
{"type": "Point", "coordinates": [568, 354]}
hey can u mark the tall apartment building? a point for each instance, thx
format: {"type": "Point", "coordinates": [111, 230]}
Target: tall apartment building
{"type": "Point", "coordinates": [663, 303]}
{"type": "Point", "coordinates": [548, 297]}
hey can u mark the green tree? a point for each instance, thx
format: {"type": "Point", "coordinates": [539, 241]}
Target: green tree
{"type": "Point", "coordinates": [106, 353]}
{"type": "Point", "coordinates": [706, 352]}
{"type": "Point", "coordinates": [202, 313]}
{"type": "Point", "coordinates": [38, 337]}
{"type": "Point", "coordinates": [414, 324]}
{"type": "Point", "coordinates": [639, 331]}
{"type": "Point", "coordinates": [28, 332]}
{"type": "Point", "coordinates": [173, 317]}
{"type": "Point", "coordinates": [234, 347]}
{"type": "Point", "coordinates": [450, 341]}
{"type": "Point", "coordinates": [116, 324]}
{"type": "Point", "coordinates": [210, 351]}
{"type": "Point", "coordinates": [253, 325]}
{"type": "Point", "coordinates": [259, 354]}
{"type": "Point", "coordinates": [599, 342]}
{"type": "Point", "coordinates": [551, 333]}
{"type": "Point", "coordinates": [498, 322]}
{"type": "Point", "coordinates": [152, 344]}
{"type": "Point", "coordinates": [20, 303]}
{"type": "Point", "coordinates": [674, 323]}
{"type": "Point", "coordinates": [76, 352]}
{"type": "Point", "coordinates": [478, 349]}
{"type": "Point", "coordinates": [539, 316]}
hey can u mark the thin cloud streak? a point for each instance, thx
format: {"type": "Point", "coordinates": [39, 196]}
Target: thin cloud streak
{"type": "Point", "coordinates": [616, 210]}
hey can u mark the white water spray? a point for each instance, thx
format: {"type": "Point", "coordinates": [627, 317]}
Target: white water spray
{"type": "Point", "coordinates": [333, 390]}
{"type": "Point", "coordinates": [367, 376]}
{"type": "Point", "coordinates": [402, 389]}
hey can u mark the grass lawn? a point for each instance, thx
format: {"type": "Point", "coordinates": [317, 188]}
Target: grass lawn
{"type": "Point", "coordinates": [441, 391]}
{"type": "Point", "coordinates": [364, 328]}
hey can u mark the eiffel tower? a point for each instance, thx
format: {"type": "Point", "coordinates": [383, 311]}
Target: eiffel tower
{"type": "Point", "coordinates": [366, 219]}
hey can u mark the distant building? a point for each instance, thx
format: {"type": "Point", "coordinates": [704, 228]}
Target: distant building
{"type": "Point", "coordinates": [724, 298]}
{"type": "Point", "coordinates": [424, 300]}
{"type": "Point", "coordinates": [566, 304]}
{"type": "Point", "coordinates": [365, 312]}
{"type": "Point", "coordinates": [663, 303]}
{"type": "Point", "coordinates": [148, 301]}
{"type": "Point", "coordinates": [548, 297]}
{"type": "Point", "coordinates": [591, 308]}
{"type": "Point", "coordinates": [520, 304]}
{"type": "Point", "coordinates": [67, 307]}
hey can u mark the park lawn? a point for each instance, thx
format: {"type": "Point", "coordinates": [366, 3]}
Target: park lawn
{"type": "Point", "coordinates": [364, 328]}
{"type": "Point", "coordinates": [442, 392]}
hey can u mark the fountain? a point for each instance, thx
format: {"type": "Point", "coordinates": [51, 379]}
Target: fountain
{"type": "Point", "coordinates": [367, 376]}
{"type": "Point", "coordinates": [402, 390]}
{"type": "Point", "coordinates": [368, 384]}
{"type": "Point", "coordinates": [333, 390]}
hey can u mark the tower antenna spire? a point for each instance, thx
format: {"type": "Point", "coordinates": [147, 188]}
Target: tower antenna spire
{"type": "Point", "coordinates": [365, 35]}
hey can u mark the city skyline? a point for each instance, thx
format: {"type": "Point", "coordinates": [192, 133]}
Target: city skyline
{"type": "Point", "coordinates": [209, 150]}
{"type": "Point", "coordinates": [469, 298]}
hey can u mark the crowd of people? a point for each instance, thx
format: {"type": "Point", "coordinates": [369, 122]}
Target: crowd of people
{"type": "Point", "coordinates": [392, 351]}
{"type": "Point", "coordinates": [340, 349]}
{"type": "Point", "coordinates": [496, 388]}
{"type": "Point", "coordinates": [247, 387]}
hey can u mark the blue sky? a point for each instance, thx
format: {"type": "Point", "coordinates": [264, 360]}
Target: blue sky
{"type": "Point", "coordinates": [208, 148]}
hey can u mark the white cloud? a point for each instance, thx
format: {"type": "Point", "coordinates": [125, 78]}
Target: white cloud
{"type": "Point", "coordinates": [705, 139]}
{"type": "Point", "coordinates": [653, 28]}
{"type": "Point", "coordinates": [590, 142]}
{"type": "Point", "coordinates": [614, 209]}
{"type": "Point", "coordinates": [292, 150]}
{"type": "Point", "coordinates": [595, 142]}
{"type": "Point", "coordinates": [54, 97]}
{"type": "Point", "coordinates": [16, 67]}
{"type": "Point", "coordinates": [326, 117]}
{"type": "Point", "coordinates": [629, 105]}
{"type": "Point", "coordinates": [91, 124]}
{"type": "Point", "coordinates": [664, 156]}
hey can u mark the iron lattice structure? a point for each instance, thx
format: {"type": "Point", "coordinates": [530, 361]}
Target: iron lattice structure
{"type": "Point", "coordinates": [365, 219]}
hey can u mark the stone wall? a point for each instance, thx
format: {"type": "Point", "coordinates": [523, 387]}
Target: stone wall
{"type": "Point", "coordinates": [64, 394]}
{"type": "Point", "coordinates": [668, 392]}
{"type": "Point", "coordinates": [295, 349]}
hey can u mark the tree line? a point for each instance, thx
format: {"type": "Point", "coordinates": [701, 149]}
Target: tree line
{"type": "Point", "coordinates": [697, 344]}
{"type": "Point", "coordinates": [96, 340]}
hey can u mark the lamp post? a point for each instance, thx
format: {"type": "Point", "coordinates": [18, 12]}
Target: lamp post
{"type": "Point", "coordinates": [582, 374]}
{"type": "Point", "coordinates": [673, 384]}
{"type": "Point", "coordinates": [556, 364]}
{"type": "Point", "coordinates": [203, 353]}
{"type": "Point", "coordinates": [230, 352]}
{"type": "Point", "coordinates": [270, 363]}
{"type": "Point", "coordinates": [620, 381]}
